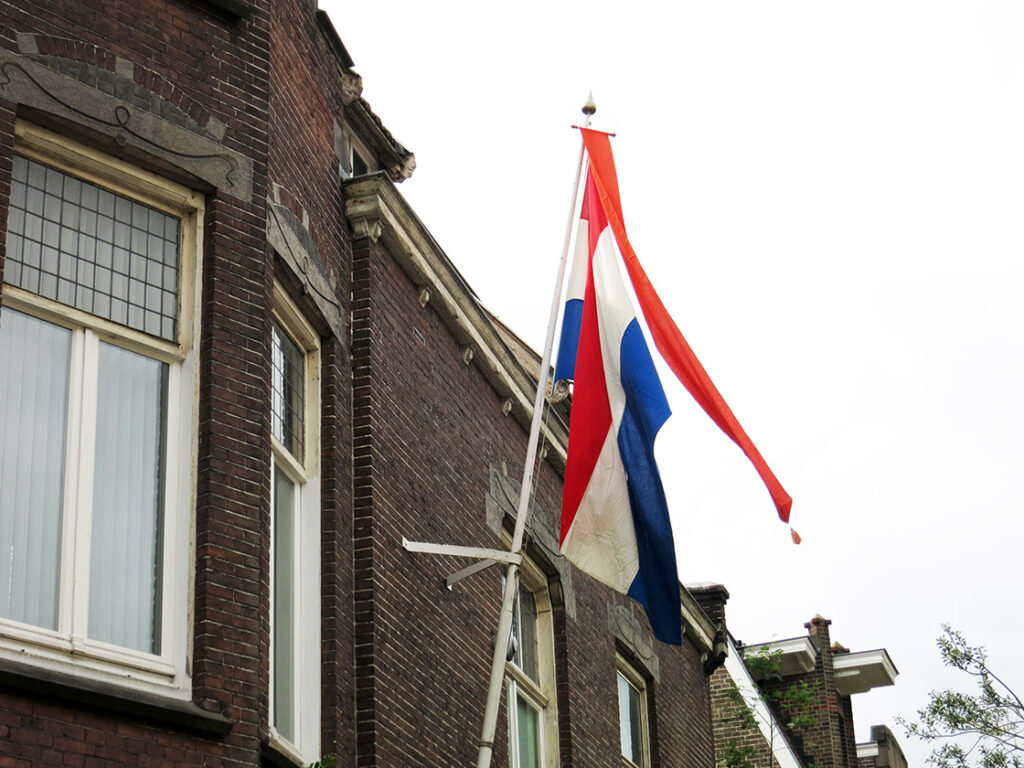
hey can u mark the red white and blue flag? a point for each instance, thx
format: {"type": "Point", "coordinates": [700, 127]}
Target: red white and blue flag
{"type": "Point", "coordinates": [615, 521]}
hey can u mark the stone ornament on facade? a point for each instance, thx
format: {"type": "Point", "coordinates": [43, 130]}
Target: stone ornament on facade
{"type": "Point", "coordinates": [28, 82]}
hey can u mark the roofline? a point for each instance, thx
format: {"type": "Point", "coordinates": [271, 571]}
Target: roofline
{"type": "Point", "coordinates": [785, 756]}
{"type": "Point", "coordinates": [394, 157]}
{"type": "Point", "coordinates": [337, 47]}
{"type": "Point", "coordinates": [376, 209]}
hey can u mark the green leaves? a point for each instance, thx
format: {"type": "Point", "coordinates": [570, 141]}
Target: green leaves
{"type": "Point", "coordinates": [796, 701]}
{"type": "Point", "coordinates": [984, 729]}
{"type": "Point", "coordinates": [734, 756]}
{"type": "Point", "coordinates": [764, 663]}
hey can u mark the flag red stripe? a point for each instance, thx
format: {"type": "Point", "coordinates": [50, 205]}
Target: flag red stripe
{"type": "Point", "coordinates": [591, 414]}
{"type": "Point", "coordinates": [667, 337]}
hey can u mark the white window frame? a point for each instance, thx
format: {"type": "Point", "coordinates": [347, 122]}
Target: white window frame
{"type": "Point", "coordinates": [539, 694]}
{"type": "Point", "coordinates": [353, 147]}
{"type": "Point", "coordinates": [68, 649]}
{"type": "Point", "coordinates": [626, 671]}
{"type": "Point", "coordinates": [305, 473]}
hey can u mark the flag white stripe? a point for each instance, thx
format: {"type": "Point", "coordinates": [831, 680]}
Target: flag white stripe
{"type": "Point", "coordinates": [602, 540]}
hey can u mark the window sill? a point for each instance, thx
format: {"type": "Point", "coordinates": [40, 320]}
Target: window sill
{"type": "Point", "coordinates": [277, 753]}
{"type": "Point", "coordinates": [60, 685]}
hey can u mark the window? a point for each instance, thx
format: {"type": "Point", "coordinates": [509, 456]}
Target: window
{"type": "Point", "coordinates": [532, 735]}
{"type": "Point", "coordinates": [295, 531]}
{"type": "Point", "coordinates": [634, 737]}
{"type": "Point", "coordinates": [355, 159]}
{"type": "Point", "coordinates": [97, 375]}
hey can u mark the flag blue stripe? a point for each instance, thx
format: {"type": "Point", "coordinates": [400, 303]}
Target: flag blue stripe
{"type": "Point", "coordinates": [572, 319]}
{"type": "Point", "coordinates": [656, 586]}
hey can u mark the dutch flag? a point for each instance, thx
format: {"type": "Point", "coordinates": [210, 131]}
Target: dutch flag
{"type": "Point", "coordinates": [615, 522]}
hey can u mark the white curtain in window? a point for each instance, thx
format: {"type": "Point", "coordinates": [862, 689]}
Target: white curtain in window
{"type": "Point", "coordinates": [284, 604]}
{"type": "Point", "coordinates": [630, 721]}
{"type": "Point", "coordinates": [34, 369]}
{"type": "Point", "coordinates": [124, 578]}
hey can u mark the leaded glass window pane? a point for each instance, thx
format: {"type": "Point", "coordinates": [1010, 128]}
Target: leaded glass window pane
{"type": "Point", "coordinates": [289, 392]}
{"type": "Point", "coordinates": [524, 626]}
{"type": "Point", "coordinates": [84, 246]}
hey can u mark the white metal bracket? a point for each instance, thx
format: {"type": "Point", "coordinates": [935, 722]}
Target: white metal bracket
{"type": "Point", "coordinates": [487, 557]}
{"type": "Point", "coordinates": [469, 570]}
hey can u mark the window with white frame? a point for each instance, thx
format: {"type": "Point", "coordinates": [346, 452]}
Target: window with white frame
{"type": "Point", "coordinates": [634, 736]}
{"type": "Point", "coordinates": [295, 531]}
{"type": "Point", "coordinates": [97, 393]}
{"type": "Point", "coordinates": [532, 723]}
{"type": "Point", "coordinates": [355, 158]}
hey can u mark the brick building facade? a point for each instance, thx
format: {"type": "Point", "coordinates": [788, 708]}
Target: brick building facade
{"type": "Point", "coordinates": [882, 751]}
{"type": "Point", "coordinates": [799, 697]}
{"type": "Point", "coordinates": [236, 371]}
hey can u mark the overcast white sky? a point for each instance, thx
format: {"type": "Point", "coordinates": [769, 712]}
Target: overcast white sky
{"type": "Point", "coordinates": [828, 198]}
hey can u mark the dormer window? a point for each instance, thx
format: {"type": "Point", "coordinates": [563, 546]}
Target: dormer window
{"type": "Point", "coordinates": [355, 159]}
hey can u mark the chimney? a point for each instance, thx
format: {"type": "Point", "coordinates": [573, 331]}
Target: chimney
{"type": "Point", "coordinates": [817, 630]}
{"type": "Point", "coordinates": [712, 599]}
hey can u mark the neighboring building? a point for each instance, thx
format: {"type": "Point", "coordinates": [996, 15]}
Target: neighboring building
{"type": "Point", "coordinates": [801, 707]}
{"type": "Point", "coordinates": [883, 751]}
{"type": "Point", "coordinates": [235, 371]}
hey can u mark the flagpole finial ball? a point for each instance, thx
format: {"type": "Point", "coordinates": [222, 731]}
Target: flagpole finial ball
{"type": "Point", "coordinates": [590, 107]}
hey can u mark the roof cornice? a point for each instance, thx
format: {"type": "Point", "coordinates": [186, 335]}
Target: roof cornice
{"type": "Point", "coordinates": [797, 655]}
{"type": "Point", "coordinates": [696, 624]}
{"type": "Point", "coordinates": [377, 211]}
{"type": "Point", "coordinates": [861, 671]}
{"type": "Point", "coordinates": [398, 161]}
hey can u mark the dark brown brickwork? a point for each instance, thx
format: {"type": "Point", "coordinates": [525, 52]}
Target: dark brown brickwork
{"type": "Point", "coordinates": [882, 751]}
{"type": "Point", "coordinates": [731, 731]}
{"type": "Point", "coordinates": [305, 101]}
{"type": "Point", "coordinates": [194, 65]}
{"type": "Point", "coordinates": [827, 742]}
{"type": "Point", "coordinates": [419, 473]}
{"type": "Point", "coordinates": [410, 436]}
{"type": "Point", "coordinates": [822, 743]}
{"type": "Point", "coordinates": [712, 599]}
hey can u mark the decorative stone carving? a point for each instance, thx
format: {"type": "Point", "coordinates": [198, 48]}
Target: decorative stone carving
{"type": "Point", "coordinates": [424, 297]}
{"type": "Point", "coordinates": [627, 630]}
{"type": "Point", "coordinates": [467, 355]}
{"type": "Point", "coordinates": [292, 243]}
{"type": "Point", "coordinates": [366, 229]}
{"type": "Point", "coordinates": [401, 171]}
{"type": "Point", "coordinates": [28, 82]}
{"type": "Point", "coordinates": [559, 391]}
{"type": "Point", "coordinates": [351, 87]}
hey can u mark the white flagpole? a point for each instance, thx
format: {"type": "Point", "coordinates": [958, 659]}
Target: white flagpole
{"type": "Point", "coordinates": [512, 575]}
